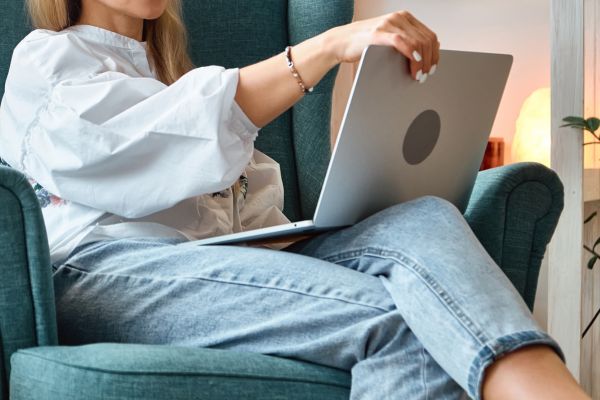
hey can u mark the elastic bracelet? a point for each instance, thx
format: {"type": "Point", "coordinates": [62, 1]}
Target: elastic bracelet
{"type": "Point", "coordinates": [288, 56]}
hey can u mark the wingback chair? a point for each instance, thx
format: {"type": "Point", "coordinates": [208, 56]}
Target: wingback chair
{"type": "Point", "coordinates": [513, 211]}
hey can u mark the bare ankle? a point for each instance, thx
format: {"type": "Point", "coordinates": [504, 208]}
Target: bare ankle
{"type": "Point", "coordinates": [534, 372]}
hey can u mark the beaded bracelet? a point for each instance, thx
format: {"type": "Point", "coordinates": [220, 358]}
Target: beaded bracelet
{"type": "Point", "coordinates": [288, 56]}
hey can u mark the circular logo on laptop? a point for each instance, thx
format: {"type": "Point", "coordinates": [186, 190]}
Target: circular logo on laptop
{"type": "Point", "coordinates": [421, 137]}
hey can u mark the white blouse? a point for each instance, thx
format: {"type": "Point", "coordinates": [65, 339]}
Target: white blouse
{"type": "Point", "coordinates": [114, 153]}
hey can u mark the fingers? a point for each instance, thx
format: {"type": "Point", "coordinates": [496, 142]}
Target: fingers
{"type": "Point", "coordinates": [419, 53]}
{"type": "Point", "coordinates": [436, 57]}
{"type": "Point", "coordinates": [406, 46]}
{"type": "Point", "coordinates": [413, 39]}
{"type": "Point", "coordinates": [432, 41]}
{"type": "Point", "coordinates": [426, 52]}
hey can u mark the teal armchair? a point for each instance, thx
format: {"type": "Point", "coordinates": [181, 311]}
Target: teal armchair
{"type": "Point", "coordinates": [513, 211]}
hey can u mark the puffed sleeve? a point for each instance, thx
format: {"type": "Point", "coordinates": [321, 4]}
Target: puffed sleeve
{"type": "Point", "coordinates": [127, 145]}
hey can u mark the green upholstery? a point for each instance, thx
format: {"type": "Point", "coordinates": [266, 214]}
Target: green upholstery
{"type": "Point", "coordinates": [128, 372]}
{"type": "Point", "coordinates": [13, 27]}
{"type": "Point", "coordinates": [513, 212]}
{"type": "Point", "coordinates": [27, 316]}
{"type": "Point", "coordinates": [234, 34]}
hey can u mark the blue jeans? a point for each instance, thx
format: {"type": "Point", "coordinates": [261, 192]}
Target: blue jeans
{"type": "Point", "coordinates": [407, 300]}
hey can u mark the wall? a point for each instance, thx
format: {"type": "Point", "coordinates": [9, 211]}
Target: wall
{"type": "Point", "coordinates": [517, 27]}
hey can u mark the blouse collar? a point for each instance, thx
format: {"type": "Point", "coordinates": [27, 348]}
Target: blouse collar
{"type": "Point", "coordinates": [105, 36]}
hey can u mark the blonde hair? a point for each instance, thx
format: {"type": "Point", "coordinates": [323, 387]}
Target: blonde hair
{"type": "Point", "coordinates": [166, 37]}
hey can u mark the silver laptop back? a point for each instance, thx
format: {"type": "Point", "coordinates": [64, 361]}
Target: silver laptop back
{"type": "Point", "coordinates": [400, 140]}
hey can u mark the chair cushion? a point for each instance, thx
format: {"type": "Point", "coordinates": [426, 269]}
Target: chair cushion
{"type": "Point", "coordinates": [129, 372]}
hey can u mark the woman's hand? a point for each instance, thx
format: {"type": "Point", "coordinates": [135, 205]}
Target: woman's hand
{"type": "Point", "coordinates": [268, 88]}
{"type": "Point", "coordinates": [400, 30]}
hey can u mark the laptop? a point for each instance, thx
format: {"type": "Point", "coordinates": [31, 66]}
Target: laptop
{"type": "Point", "coordinates": [400, 139]}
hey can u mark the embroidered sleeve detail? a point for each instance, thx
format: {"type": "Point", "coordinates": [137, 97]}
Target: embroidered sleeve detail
{"type": "Point", "coordinates": [241, 186]}
{"type": "Point", "coordinates": [44, 197]}
{"type": "Point", "coordinates": [244, 185]}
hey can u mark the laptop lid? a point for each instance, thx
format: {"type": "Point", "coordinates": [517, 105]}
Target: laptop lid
{"type": "Point", "coordinates": [400, 139]}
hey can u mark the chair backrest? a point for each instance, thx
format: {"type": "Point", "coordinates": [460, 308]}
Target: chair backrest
{"type": "Point", "coordinates": [13, 27]}
{"type": "Point", "coordinates": [236, 33]}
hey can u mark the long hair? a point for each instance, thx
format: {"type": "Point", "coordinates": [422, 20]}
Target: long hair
{"type": "Point", "coordinates": [166, 37]}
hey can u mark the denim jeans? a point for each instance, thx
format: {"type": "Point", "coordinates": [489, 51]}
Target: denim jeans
{"type": "Point", "coordinates": [407, 300]}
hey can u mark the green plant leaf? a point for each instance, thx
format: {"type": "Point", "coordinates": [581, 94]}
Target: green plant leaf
{"type": "Point", "coordinates": [596, 244]}
{"type": "Point", "coordinates": [591, 217]}
{"type": "Point", "coordinates": [575, 120]}
{"type": "Point", "coordinates": [580, 126]}
{"type": "Point", "coordinates": [592, 124]}
{"type": "Point", "coordinates": [592, 262]}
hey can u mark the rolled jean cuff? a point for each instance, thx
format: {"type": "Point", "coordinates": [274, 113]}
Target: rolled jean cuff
{"type": "Point", "coordinates": [497, 348]}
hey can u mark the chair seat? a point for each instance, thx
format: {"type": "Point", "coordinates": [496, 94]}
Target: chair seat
{"type": "Point", "coordinates": [129, 372]}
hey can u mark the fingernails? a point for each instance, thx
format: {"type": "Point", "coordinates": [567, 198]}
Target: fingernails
{"type": "Point", "coordinates": [423, 78]}
{"type": "Point", "coordinates": [433, 69]}
{"type": "Point", "coordinates": [419, 75]}
{"type": "Point", "coordinates": [416, 56]}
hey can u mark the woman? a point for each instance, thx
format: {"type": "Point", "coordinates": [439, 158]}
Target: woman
{"type": "Point", "coordinates": [132, 151]}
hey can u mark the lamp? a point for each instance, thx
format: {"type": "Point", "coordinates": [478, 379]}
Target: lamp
{"type": "Point", "coordinates": [532, 136]}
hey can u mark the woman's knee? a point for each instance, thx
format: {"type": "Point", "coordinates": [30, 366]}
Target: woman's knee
{"type": "Point", "coordinates": [422, 210]}
{"type": "Point", "coordinates": [412, 223]}
{"type": "Point", "coordinates": [432, 204]}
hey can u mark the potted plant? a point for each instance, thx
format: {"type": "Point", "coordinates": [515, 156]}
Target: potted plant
{"type": "Point", "coordinates": [590, 125]}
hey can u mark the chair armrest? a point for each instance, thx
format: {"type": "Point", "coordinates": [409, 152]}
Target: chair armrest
{"type": "Point", "coordinates": [514, 211]}
{"type": "Point", "coordinates": [27, 313]}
